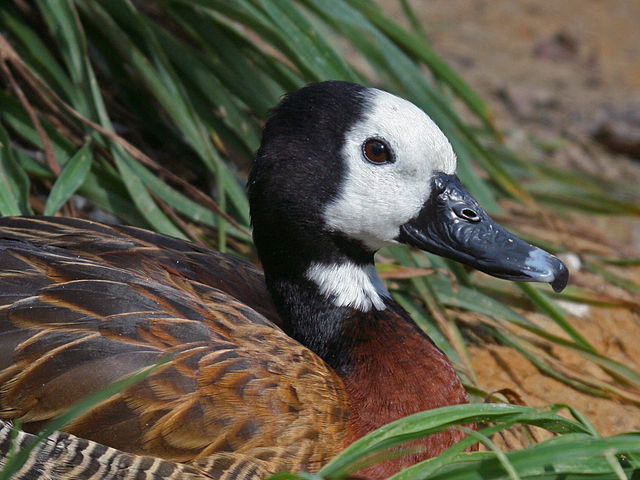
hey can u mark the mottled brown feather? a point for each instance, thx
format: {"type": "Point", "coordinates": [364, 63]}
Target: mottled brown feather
{"type": "Point", "coordinates": [84, 304]}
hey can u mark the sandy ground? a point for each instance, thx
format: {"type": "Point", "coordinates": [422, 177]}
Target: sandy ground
{"type": "Point", "coordinates": [555, 71]}
{"type": "Point", "coordinates": [594, 65]}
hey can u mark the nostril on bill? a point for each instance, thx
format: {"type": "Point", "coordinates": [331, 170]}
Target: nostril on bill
{"type": "Point", "coordinates": [467, 213]}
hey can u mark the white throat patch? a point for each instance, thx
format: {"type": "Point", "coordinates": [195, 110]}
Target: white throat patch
{"type": "Point", "coordinates": [349, 285]}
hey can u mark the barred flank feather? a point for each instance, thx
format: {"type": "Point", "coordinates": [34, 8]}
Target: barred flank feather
{"type": "Point", "coordinates": [63, 456]}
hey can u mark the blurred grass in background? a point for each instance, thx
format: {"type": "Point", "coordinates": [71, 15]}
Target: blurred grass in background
{"type": "Point", "coordinates": [149, 112]}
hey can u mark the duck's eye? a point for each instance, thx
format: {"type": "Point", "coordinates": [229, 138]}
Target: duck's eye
{"type": "Point", "coordinates": [376, 151]}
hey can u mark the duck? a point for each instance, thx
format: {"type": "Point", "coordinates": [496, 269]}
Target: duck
{"type": "Point", "coordinates": [273, 369]}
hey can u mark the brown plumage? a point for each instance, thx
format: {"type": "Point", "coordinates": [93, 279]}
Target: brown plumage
{"type": "Point", "coordinates": [72, 321]}
{"type": "Point", "coordinates": [82, 304]}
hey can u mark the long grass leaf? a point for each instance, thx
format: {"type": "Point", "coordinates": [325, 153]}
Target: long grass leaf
{"type": "Point", "coordinates": [614, 279]}
{"type": "Point", "coordinates": [547, 306]}
{"type": "Point", "coordinates": [426, 324]}
{"type": "Point", "coordinates": [14, 184]}
{"type": "Point", "coordinates": [63, 20]}
{"type": "Point", "coordinates": [571, 457]}
{"type": "Point", "coordinates": [205, 84]}
{"type": "Point", "coordinates": [35, 53]}
{"type": "Point", "coordinates": [14, 116]}
{"type": "Point", "coordinates": [72, 177]}
{"type": "Point", "coordinates": [311, 49]}
{"type": "Point", "coordinates": [425, 423]}
{"type": "Point", "coordinates": [493, 448]}
{"type": "Point", "coordinates": [226, 56]}
{"type": "Point", "coordinates": [160, 78]}
{"type": "Point", "coordinates": [63, 25]}
{"type": "Point", "coordinates": [585, 383]}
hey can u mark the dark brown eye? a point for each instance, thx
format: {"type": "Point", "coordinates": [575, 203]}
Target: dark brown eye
{"type": "Point", "coordinates": [376, 151]}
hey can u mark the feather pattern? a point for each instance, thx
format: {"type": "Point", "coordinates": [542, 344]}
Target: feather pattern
{"type": "Point", "coordinates": [73, 323]}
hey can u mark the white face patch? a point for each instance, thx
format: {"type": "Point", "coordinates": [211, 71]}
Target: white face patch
{"type": "Point", "coordinates": [349, 285]}
{"type": "Point", "coordinates": [375, 200]}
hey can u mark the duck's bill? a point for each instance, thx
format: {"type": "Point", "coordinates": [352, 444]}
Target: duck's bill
{"type": "Point", "coordinates": [452, 224]}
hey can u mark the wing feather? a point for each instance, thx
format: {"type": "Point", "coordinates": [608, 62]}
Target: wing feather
{"type": "Point", "coordinates": [83, 305]}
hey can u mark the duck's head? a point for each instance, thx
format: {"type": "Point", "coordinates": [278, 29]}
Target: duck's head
{"type": "Point", "coordinates": [344, 170]}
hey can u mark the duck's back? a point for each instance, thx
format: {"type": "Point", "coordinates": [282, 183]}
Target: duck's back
{"type": "Point", "coordinates": [83, 304]}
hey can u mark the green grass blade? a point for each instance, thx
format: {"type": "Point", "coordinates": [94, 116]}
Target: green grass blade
{"type": "Point", "coordinates": [453, 454]}
{"type": "Point", "coordinates": [295, 476]}
{"type": "Point", "coordinates": [425, 423]}
{"type": "Point", "coordinates": [312, 51]}
{"type": "Point", "coordinates": [413, 20]}
{"type": "Point", "coordinates": [181, 202]}
{"type": "Point", "coordinates": [614, 279]}
{"type": "Point", "coordinates": [475, 301]}
{"type": "Point", "coordinates": [570, 197]}
{"type": "Point", "coordinates": [141, 197]}
{"type": "Point", "coordinates": [570, 457]}
{"type": "Point", "coordinates": [493, 448]}
{"type": "Point", "coordinates": [541, 300]}
{"type": "Point", "coordinates": [159, 78]}
{"type": "Point", "coordinates": [106, 190]}
{"type": "Point", "coordinates": [14, 116]}
{"type": "Point", "coordinates": [230, 53]}
{"type": "Point", "coordinates": [14, 183]}
{"type": "Point", "coordinates": [35, 53]}
{"type": "Point", "coordinates": [102, 188]}
{"type": "Point", "coordinates": [72, 177]}
{"type": "Point", "coordinates": [31, 167]}
{"type": "Point", "coordinates": [62, 19]}
{"type": "Point", "coordinates": [64, 26]}
{"type": "Point", "coordinates": [205, 85]}
{"type": "Point", "coordinates": [426, 324]}
{"type": "Point", "coordinates": [593, 386]}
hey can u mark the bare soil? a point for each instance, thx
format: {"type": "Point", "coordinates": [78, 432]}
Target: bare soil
{"type": "Point", "coordinates": [555, 73]}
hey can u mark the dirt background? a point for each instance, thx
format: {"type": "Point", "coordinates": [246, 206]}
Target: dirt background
{"type": "Point", "coordinates": [565, 74]}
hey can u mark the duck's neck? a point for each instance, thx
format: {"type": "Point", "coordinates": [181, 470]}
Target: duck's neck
{"type": "Point", "coordinates": [320, 303]}
{"type": "Point", "coordinates": [318, 283]}
{"type": "Point", "coordinates": [396, 366]}
{"type": "Point", "coordinates": [390, 368]}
